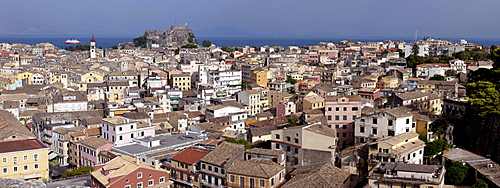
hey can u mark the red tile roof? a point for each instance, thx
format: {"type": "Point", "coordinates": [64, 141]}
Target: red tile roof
{"type": "Point", "coordinates": [190, 155]}
{"type": "Point", "coordinates": [21, 145]}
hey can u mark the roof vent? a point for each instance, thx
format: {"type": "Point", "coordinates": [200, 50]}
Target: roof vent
{"type": "Point", "coordinates": [490, 165]}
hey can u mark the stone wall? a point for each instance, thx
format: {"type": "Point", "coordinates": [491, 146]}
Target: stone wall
{"type": "Point", "coordinates": [176, 36]}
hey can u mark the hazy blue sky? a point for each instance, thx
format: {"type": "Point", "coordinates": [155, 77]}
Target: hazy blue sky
{"type": "Point", "coordinates": [314, 18]}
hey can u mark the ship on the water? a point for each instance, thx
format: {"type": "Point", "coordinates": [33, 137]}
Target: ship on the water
{"type": "Point", "coordinates": [72, 41]}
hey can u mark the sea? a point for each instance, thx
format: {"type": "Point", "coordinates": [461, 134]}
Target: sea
{"type": "Point", "coordinates": [107, 41]}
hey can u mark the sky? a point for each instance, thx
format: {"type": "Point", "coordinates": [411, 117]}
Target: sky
{"type": "Point", "coordinates": [259, 18]}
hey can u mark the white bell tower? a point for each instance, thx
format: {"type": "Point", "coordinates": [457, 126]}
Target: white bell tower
{"type": "Point", "coordinates": [92, 47]}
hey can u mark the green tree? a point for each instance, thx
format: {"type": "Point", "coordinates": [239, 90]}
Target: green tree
{"type": "Point", "coordinates": [438, 77]}
{"type": "Point", "coordinates": [114, 47]}
{"type": "Point", "coordinates": [241, 141]}
{"type": "Point", "coordinates": [78, 171]}
{"type": "Point", "coordinates": [435, 147]}
{"type": "Point", "coordinates": [292, 122]}
{"type": "Point", "coordinates": [456, 173]}
{"type": "Point", "coordinates": [484, 97]}
{"type": "Point", "coordinates": [189, 46]}
{"type": "Point", "coordinates": [291, 80]}
{"type": "Point", "coordinates": [495, 57]}
{"type": "Point", "coordinates": [480, 184]}
{"type": "Point", "coordinates": [176, 51]}
{"type": "Point", "coordinates": [414, 49]}
{"type": "Point", "coordinates": [140, 41]}
{"type": "Point", "coordinates": [226, 49]}
{"type": "Point", "coordinates": [206, 43]}
{"type": "Point", "coordinates": [439, 126]}
{"type": "Point", "coordinates": [451, 72]}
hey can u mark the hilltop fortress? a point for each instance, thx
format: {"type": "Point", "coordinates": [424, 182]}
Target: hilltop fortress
{"type": "Point", "coordinates": [176, 36]}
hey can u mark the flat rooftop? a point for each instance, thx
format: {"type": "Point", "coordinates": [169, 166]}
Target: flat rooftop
{"type": "Point", "coordinates": [166, 142]}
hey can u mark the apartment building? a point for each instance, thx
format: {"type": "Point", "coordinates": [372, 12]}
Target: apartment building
{"type": "Point", "coordinates": [24, 159]}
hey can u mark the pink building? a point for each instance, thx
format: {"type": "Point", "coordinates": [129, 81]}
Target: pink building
{"type": "Point", "coordinates": [285, 108]}
{"type": "Point", "coordinates": [90, 148]}
{"type": "Point", "coordinates": [120, 130]}
{"type": "Point", "coordinates": [341, 111]}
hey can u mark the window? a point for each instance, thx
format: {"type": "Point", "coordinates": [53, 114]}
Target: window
{"type": "Point", "coordinates": [14, 159]}
{"type": "Point", "coordinates": [131, 126]}
{"type": "Point", "coordinates": [296, 150]}
{"type": "Point", "coordinates": [277, 146]}
{"type": "Point", "coordinates": [407, 120]}
{"type": "Point", "coordinates": [139, 185]}
{"type": "Point", "coordinates": [345, 109]}
{"type": "Point", "coordinates": [337, 109]}
{"type": "Point", "coordinates": [272, 181]}
{"type": "Point", "coordinates": [403, 185]}
{"type": "Point", "coordinates": [262, 183]}
{"type": "Point", "coordinates": [15, 169]}
{"type": "Point", "coordinates": [354, 109]}
{"type": "Point", "coordinates": [35, 156]}
{"type": "Point", "coordinates": [374, 120]}
{"type": "Point", "coordinates": [242, 181]}
{"type": "Point", "coordinates": [162, 179]}
{"type": "Point", "coordinates": [222, 171]}
{"type": "Point", "coordinates": [231, 178]}
{"type": "Point", "coordinates": [139, 175]}
{"type": "Point", "coordinates": [374, 131]}
{"type": "Point", "coordinates": [329, 117]}
{"type": "Point", "coordinates": [413, 125]}
{"type": "Point", "coordinates": [252, 182]}
{"type": "Point", "coordinates": [344, 135]}
{"type": "Point", "coordinates": [354, 117]}
{"type": "Point", "coordinates": [120, 128]}
{"type": "Point", "coordinates": [203, 166]}
{"type": "Point", "coordinates": [151, 182]}
{"type": "Point", "coordinates": [344, 117]}
{"type": "Point", "coordinates": [361, 129]}
{"type": "Point", "coordinates": [296, 140]}
{"type": "Point", "coordinates": [5, 170]}
{"type": "Point", "coordinates": [120, 137]}
{"type": "Point", "coordinates": [131, 135]}
{"type": "Point", "coordinates": [337, 126]}
{"type": "Point", "coordinates": [216, 169]}
{"type": "Point", "coordinates": [337, 118]}
{"type": "Point", "coordinates": [209, 168]}
{"type": "Point", "coordinates": [127, 186]}
{"type": "Point", "coordinates": [277, 136]}
{"type": "Point", "coordinates": [288, 138]}
{"type": "Point", "coordinates": [329, 108]}
{"type": "Point", "coordinates": [25, 157]}
{"type": "Point", "coordinates": [4, 160]}
{"type": "Point", "coordinates": [35, 166]}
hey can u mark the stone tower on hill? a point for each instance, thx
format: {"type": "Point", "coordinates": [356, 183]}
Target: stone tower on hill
{"type": "Point", "coordinates": [176, 36]}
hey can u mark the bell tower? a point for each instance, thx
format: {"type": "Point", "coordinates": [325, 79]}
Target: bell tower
{"type": "Point", "coordinates": [92, 47]}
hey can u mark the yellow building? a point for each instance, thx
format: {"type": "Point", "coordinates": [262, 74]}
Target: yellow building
{"type": "Point", "coordinates": [92, 77]}
{"type": "Point", "coordinates": [255, 173]}
{"type": "Point", "coordinates": [259, 76]}
{"type": "Point", "coordinates": [181, 81]}
{"type": "Point", "coordinates": [313, 102]}
{"type": "Point", "coordinates": [24, 159]}
{"type": "Point", "coordinates": [404, 147]}
{"type": "Point", "coordinates": [32, 77]}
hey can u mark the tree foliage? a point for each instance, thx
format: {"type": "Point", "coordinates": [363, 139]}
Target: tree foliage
{"type": "Point", "coordinates": [484, 97]}
{"type": "Point", "coordinates": [480, 184]}
{"type": "Point", "coordinates": [439, 126]}
{"type": "Point", "coordinates": [291, 80]}
{"type": "Point", "coordinates": [292, 122]}
{"type": "Point", "coordinates": [78, 171]}
{"type": "Point", "coordinates": [78, 48]}
{"type": "Point", "coordinates": [140, 41]}
{"type": "Point", "coordinates": [435, 147]}
{"type": "Point", "coordinates": [241, 141]}
{"type": "Point", "coordinates": [226, 49]}
{"type": "Point", "coordinates": [495, 56]}
{"type": "Point", "coordinates": [414, 49]}
{"type": "Point", "coordinates": [475, 54]}
{"type": "Point", "coordinates": [189, 46]}
{"type": "Point", "coordinates": [456, 173]}
{"type": "Point", "coordinates": [451, 72]}
{"type": "Point", "coordinates": [206, 43]}
{"type": "Point", "coordinates": [438, 77]}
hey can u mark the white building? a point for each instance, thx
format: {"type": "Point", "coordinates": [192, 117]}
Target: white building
{"type": "Point", "coordinates": [391, 122]}
{"type": "Point", "coordinates": [423, 49]}
{"type": "Point", "coordinates": [251, 98]}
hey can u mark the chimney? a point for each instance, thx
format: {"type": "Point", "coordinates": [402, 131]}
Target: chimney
{"type": "Point", "coordinates": [137, 160]}
{"type": "Point", "coordinates": [156, 164]}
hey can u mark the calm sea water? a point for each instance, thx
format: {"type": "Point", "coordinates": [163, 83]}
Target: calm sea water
{"type": "Point", "coordinates": [108, 41]}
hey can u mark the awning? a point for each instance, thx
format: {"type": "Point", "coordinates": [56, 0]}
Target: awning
{"type": "Point", "coordinates": [52, 155]}
{"type": "Point", "coordinates": [32, 176]}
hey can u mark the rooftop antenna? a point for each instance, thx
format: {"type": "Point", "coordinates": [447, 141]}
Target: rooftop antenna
{"type": "Point", "coordinates": [416, 36]}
